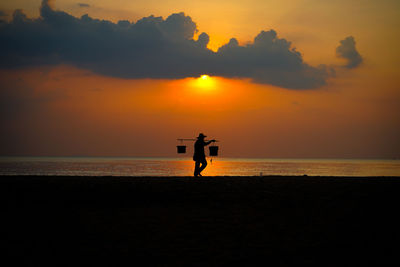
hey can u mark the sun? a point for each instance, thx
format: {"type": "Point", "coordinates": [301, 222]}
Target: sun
{"type": "Point", "coordinates": [205, 82]}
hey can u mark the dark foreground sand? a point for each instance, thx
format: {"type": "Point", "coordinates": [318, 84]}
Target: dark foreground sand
{"type": "Point", "coordinates": [212, 221]}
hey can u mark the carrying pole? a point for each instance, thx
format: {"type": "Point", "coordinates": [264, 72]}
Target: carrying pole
{"type": "Point", "coordinates": [189, 139]}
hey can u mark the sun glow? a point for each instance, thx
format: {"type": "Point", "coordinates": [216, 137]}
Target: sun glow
{"type": "Point", "coordinates": [205, 82]}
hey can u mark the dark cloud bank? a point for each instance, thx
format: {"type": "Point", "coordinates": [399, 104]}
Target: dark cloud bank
{"type": "Point", "coordinates": [156, 48]}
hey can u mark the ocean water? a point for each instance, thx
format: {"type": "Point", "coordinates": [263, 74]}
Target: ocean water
{"type": "Point", "coordinates": [98, 166]}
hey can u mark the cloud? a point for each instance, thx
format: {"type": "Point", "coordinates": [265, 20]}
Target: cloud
{"type": "Point", "coordinates": [152, 47]}
{"type": "Point", "coordinates": [347, 50]}
{"type": "Point", "coordinates": [47, 4]}
{"type": "Point", "coordinates": [271, 60]}
{"type": "Point", "coordinates": [3, 17]}
{"type": "Point", "coordinates": [83, 5]}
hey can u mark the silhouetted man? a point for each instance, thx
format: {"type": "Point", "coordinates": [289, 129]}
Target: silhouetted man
{"type": "Point", "coordinates": [199, 156]}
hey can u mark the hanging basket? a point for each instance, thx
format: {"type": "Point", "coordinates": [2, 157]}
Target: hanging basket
{"type": "Point", "coordinates": [213, 150]}
{"type": "Point", "coordinates": [181, 149]}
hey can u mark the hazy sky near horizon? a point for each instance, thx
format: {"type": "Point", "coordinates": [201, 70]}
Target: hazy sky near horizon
{"type": "Point", "coordinates": [264, 97]}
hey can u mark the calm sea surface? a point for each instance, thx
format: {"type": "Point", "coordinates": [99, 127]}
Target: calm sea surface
{"type": "Point", "coordinates": [96, 166]}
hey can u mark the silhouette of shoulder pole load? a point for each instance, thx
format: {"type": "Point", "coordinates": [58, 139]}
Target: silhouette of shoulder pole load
{"type": "Point", "coordinates": [181, 149]}
{"type": "Point", "coordinates": [199, 155]}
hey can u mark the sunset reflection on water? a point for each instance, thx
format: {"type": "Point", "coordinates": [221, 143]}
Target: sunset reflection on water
{"type": "Point", "coordinates": [96, 166]}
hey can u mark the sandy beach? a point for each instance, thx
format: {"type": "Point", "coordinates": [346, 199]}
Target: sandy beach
{"type": "Point", "coordinates": [208, 221]}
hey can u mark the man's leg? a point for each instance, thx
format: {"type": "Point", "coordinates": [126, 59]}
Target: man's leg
{"type": "Point", "coordinates": [196, 168]}
{"type": "Point", "coordinates": [203, 165]}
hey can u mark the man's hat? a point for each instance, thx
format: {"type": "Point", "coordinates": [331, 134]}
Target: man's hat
{"type": "Point", "coordinates": [201, 136]}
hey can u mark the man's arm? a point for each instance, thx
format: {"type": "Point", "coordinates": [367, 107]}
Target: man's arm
{"type": "Point", "coordinates": [209, 142]}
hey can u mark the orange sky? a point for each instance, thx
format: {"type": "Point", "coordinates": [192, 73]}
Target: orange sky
{"type": "Point", "coordinates": [66, 111]}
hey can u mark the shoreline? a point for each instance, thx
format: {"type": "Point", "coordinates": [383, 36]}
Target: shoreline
{"type": "Point", "coordinates": [200, 177]}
